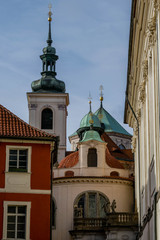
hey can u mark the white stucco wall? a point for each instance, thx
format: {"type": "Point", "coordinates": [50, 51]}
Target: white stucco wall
{"type": "Point", "coordinates": [65, 194]}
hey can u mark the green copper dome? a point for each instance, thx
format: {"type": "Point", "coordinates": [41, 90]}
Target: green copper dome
{"type": "Point", "coordinates": [89, 119]}
{"type": "Point", "coordinates": [91, 135]}
{"type": "Point", "coordinates": [109, 123]}
{"type": "Point", "coordinates": [48, 82]}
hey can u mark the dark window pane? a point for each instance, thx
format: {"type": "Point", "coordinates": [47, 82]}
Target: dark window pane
{"type": "Point", "coordinates": [47, 119]}
{"type": "Point", "coordinates": [22, 164]}
{"type": "Point", "coordinates": [21, 226]}
{"type": "Point", "coordinates": [21, 235]}
{"type": "Point", "coordinates": [11, 219]}
{"type": "Point", "coordinates": [21, 209]}
{"type": "Point", "coordinates": [13, 157]}
{"type": "Point", "coordinates": [21, 219]}
{"type": "Point", "coordinates": [92, 157]}
{"type": "Point", "coordinates": [11, 226]}
{"type": "Point", "coordinates": [11, 209]}
{"type": "Point", "coordinates": [92, 212]}
{"type": "Point", "coordinates": [14, 152]}
{"type": "Point", "coordinates": [23, 152]}
{"type": "Point", "coordinates": [81, 204]}
{"type": "Point", "coordinates": [11, 234]}
{"type": "Point", "coordinates": [22, 158]}
{"type": "Point", "coordinates": [13, 164]}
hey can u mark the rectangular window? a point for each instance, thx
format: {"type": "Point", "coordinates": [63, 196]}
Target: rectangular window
{"type": "Point", "coordinates": [16, 222]}
{"type": "Point", "coordinates": [18, 160]}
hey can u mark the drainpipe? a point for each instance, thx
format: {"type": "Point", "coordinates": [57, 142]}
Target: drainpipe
{"type": "Point", "coordinates": [155, 196]}
{"type": "Point", "coordinates": [127, 100]}
{"type": "Point", "coordinates": [53, 156]}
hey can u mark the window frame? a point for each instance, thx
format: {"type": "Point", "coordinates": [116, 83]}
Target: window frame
{"type": "Point", "coordinates": [86, 202]}
{"type": "Point", "coordinates": [42, 118]}
{"type": "Point", "coordinates": [5, 215]}
{"type": "Point", "coordinates": [13, 147]}
{"type": "Point", "coordinates": [89, 160]}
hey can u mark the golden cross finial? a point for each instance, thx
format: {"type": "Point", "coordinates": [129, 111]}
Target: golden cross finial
{"type": "Point", "coordinates": [101, 93]}
{"type": "Point", "coordinates": [50, 13]}
{"type": "Point", "coordinates": [90, 98]}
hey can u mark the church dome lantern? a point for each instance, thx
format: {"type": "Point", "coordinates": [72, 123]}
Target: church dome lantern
{"type": "Point", "coordinates": [89, 121]}
{"type": "Point", "coordinates": [48, 81]}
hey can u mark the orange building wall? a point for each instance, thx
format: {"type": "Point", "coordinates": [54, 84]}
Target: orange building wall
{"type": "Point", "coordinates": [40, 164]}
{"type": "Point", "coordinates": [40, 213]}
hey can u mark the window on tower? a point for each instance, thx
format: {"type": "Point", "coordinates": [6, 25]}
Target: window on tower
{"type": "Point", "coordinates": [92, 157]}
{"type": "Point", "coordinates": [47, 119]}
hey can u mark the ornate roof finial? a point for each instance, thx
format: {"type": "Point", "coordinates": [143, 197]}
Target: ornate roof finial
{"type": "Point", "coordinates": [50, 13]}
{"type": "Point", "coordinates": [90, 102]}
{"type": "Point", "coordinates": [49, 40]}
{"type": "Point", "coordinates": [101, 94]}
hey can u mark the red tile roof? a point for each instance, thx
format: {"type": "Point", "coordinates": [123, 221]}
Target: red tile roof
{"type": "Point", "coordinates": [69, 161]}
{"type": "Point", "coordinates": [72, 159]}
{"type": "Point", "coordinates": [123, 154]}
{"type": "Point", "coordinates": [112, 161]}
{"type": "Point", "coordinates": [12, 126]}
{"type": "Point", "coordinates": [112, 152]}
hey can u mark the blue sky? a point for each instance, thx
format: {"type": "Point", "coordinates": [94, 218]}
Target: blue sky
{"type": "Point", "coordinates": [91, 39]}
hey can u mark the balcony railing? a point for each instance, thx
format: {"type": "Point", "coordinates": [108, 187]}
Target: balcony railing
{"type": "Point", "coordinates": [112, 219]}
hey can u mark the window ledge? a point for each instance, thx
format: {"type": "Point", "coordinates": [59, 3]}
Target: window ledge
{"type": "Point", "coordinates": [18, 172]}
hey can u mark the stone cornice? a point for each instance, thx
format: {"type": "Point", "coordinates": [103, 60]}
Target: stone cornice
{"type": "Point", "coordinates": [64, 180]}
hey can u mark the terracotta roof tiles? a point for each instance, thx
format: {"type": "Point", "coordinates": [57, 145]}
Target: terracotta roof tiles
{"type": "Point", "coordinates": [69, 161]}
{"type": "Point", "coordinates": [12, 126]}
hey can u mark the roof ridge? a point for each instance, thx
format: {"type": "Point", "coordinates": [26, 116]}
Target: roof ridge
{"type": "Point", "coordinates": [11, 124]}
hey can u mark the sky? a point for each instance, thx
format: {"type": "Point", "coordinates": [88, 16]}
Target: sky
{"type": "Point", "coordinates": [91, 38]}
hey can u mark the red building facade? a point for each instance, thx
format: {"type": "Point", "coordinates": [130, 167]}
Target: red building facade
{"type": "Point", "coordinates": [25, 179]}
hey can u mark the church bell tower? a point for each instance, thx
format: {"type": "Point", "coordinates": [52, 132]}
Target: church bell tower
{"type": "Point", "coordinates": [48, 100]}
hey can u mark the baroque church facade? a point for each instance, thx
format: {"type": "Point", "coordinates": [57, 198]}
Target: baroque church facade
{"type": "Point", "coordinates": [93, 185]}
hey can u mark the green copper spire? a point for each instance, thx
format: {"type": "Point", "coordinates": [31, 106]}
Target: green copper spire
{"type": "Point", "coordinates": [49, 40]}
{"type": "Point", "coordinates": [48, 81]}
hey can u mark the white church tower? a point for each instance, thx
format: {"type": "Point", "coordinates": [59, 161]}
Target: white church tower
{"type": "Point", "coordinates": [48, 101]}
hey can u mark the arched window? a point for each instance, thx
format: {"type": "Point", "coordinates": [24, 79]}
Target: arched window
{"type": "Point", "coordinates": [47, 119]}
{"type": "Point", "coordinates": [92, 157]}
{"type": "Point", "coordinates": [114, 173]}
{"type": "Point", "coordinates": [69, 174]}
{"type": "Point", "coordinates": [121, 146]}
{"type": "Point", "coordinates": [91, 205]}
{"type": "Point", "coordinates": [53, 217]}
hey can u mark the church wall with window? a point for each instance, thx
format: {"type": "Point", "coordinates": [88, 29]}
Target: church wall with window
{"type": "Point", "coordinates": [69, 191]}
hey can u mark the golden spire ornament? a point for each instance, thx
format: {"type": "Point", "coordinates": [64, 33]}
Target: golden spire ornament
{"type": "Point", "coordinates": [100, 116]}
{"type": "Point", "coordinates": [50, 13]}
{"type": "Point", "coordinates": [101, 93]}
{"type": "Point", "coordinates": [90, 98]}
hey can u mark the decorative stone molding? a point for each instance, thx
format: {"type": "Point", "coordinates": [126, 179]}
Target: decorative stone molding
{"type": "Point", "coordinates": [32, 106]}
{"type": "Point", "coordinates": [138, 114]}
{"type": "Point", "coordinates": [142, 94]}
{"type": "Point", "coordinates": [142, 87]}
{"type": "Point", "coordinates": [151, 31]}
{"type": "Point", "coordinates": [145, 69]}
{"type": "Point", "coordinates": [61, 106]}
{"type": "Point", "coordinates": [92, 180]}
{"type": "Point", "coordinates": [133, 144]}
{"type": "Point", "coordinates": [156, 5]}
{"type": "Point", "coordinates": [135, 129]}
